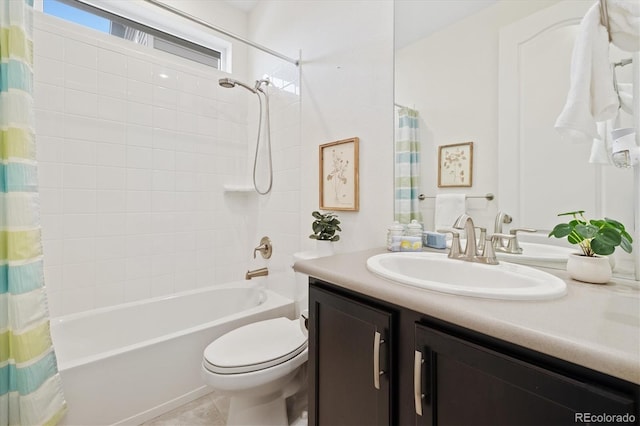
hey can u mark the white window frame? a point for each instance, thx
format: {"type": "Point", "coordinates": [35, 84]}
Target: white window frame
{"type": "Point", "coordinates": [162, 20]}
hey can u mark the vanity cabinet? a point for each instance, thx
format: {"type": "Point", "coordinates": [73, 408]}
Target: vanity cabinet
{"type": "Point", "coordinates": [459, 382]}
{"type": "Point", "coordinates": [349, 378]}
{"type": "Point", "coordinates": [435, 373]}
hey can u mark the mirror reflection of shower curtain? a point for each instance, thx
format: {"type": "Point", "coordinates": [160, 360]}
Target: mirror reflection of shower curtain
{"type": "Point", "coordinates": [407, 166]}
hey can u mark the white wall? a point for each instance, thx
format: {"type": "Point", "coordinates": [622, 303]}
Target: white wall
{"type": "Point", "coordinates": [347, 91]}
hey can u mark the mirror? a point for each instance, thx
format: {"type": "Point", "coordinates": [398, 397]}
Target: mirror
{"type": "Point", "coordinates": [453, 72]}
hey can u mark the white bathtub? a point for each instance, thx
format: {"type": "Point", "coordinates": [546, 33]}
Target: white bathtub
{"type": "Point", "coordinates": [132, 362]}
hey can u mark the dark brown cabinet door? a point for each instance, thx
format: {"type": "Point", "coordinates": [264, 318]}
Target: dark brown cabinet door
{"type": "Point", "coordinates": [458, 382]}
{"type": "Point", "coordinates": [349, 359]}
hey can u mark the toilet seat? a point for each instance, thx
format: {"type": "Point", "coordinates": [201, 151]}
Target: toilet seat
{"type": "Point", "coordinates": [255, 347]}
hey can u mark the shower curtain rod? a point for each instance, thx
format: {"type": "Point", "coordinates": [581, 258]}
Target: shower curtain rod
{"type": "Point", "coordinates": [192, 18]}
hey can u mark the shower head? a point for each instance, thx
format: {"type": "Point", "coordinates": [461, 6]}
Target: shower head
{"type": "Point", "coordinates": [227, 83]}
{"type": "Point", "coordinates": [231, 83]}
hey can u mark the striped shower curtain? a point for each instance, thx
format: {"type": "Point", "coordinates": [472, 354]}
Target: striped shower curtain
{"type": "Point", "coordinates": [407, 166]}
{"type": "Point", "coordinates": [30, 386]}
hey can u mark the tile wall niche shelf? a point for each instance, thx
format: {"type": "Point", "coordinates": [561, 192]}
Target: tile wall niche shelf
{"type": "Point", "coordinates": [238, 187]}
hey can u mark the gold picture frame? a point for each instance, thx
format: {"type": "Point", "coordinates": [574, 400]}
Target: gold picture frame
{"type": "Point", "coordinates": [339, 186]}
{"type": "Point", "coordinates": [455, 165]}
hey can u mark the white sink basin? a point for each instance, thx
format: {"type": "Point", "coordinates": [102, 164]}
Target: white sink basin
{"type": "Point", "coordinates": [435, 271]}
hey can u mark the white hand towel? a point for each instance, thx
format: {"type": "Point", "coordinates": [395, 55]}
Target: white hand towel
{"type": "Point", "coordinates": [591, 95]}
{"type": "Point", "coordinates": [447, 209]}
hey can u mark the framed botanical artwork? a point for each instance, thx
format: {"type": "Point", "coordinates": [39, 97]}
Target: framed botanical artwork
{"type": "Point", "coordinates": [339, 175]}
{"type": "Point", "coordinates": [455, 165]}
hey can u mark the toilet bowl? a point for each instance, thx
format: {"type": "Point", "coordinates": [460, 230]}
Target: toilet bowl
{"type": "Point", "coordinates": [258, 366]}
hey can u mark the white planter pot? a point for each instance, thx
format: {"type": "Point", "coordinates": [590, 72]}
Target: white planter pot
{"type": "Point", "coordinates": [596, 270]}
{"type": "Point", "coordinates": [324, 248]}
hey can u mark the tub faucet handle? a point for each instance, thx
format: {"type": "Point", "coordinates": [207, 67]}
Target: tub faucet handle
{"type": "Point", "coordinates": [265, 248]}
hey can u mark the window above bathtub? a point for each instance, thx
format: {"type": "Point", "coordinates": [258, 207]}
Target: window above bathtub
{"type": "Point", "coordinates": [147, 25]}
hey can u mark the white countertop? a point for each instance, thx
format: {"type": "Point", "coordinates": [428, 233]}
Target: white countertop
{"type": "Point", "coordinates": [596, 326]}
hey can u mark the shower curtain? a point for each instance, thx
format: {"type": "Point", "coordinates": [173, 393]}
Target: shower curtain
{"type": "Point", "coordinates": [407, 167]}
{"type": "Point", "coordinates": [30, 386]}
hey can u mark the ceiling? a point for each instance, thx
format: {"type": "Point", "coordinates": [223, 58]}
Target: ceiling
{"type": "Point", "coordinates": [414, 19]}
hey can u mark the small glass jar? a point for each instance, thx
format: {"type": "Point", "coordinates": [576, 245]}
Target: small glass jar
{"type": "Point", "coordinates": [414, 229]}
{"type": "Point", "coordinates": [394, 230]}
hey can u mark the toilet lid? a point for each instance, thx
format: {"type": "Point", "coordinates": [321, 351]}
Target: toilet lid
{"type": "Point", "coordinates": [255, 346]}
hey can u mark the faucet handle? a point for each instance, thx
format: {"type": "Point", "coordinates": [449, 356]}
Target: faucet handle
{"type": "Point", "coordinates": [512, 245]}
{"type": "Point", "coordinates": [516, 230]}
{"type": "Point", "coordinates": [489, 253]}
{"type": "Point", "coordinates": [455, 249]}
{"type": "Point", "coordinates": [490, 247]}
{"type": "Point", "coordinates": [265, 248]}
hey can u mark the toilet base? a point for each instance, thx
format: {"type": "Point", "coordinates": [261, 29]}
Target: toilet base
{"type": "Point", "coordinates": [252, 407]}
{"type": "Point", "coordinates": [267, 410]}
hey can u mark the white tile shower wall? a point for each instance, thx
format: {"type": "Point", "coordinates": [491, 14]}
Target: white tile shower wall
{"type": "Point", "coordinates": [280, 210]}
{"type": "Point", "coordinates": [134, 148]}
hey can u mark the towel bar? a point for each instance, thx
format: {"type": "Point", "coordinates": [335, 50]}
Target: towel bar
{"type": "Point", "coordinates": [488, 196]}
{"type": "Point", "coordinates": [604, 17]}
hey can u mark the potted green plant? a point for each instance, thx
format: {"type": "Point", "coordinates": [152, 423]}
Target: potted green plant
{"type": "Point", "coordinates": [597, 238]}
{"type": "Point", "coordinates": [325, 226]}
{"type": "Point", "coordinates": [325, 231]}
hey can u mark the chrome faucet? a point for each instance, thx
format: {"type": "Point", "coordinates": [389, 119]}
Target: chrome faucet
{"type": "Point", "coordinates": [464, 222]}
{"type": "Point", "coordinates": [256, 273]}
{"type": "Point", "coordinates": [471, 252]}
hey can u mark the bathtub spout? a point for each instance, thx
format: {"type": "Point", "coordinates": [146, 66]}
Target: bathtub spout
{"type": "Point", "coordinates": [256, 273]}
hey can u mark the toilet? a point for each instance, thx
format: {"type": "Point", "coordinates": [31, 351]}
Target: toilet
{"type": "Point", "coordinates": [260, 365]}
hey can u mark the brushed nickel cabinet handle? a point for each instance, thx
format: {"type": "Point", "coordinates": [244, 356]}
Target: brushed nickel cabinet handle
{"type": "Point", "coordinates": [377, 341]}
{"type": "Point", "coordinates": [417, 381]}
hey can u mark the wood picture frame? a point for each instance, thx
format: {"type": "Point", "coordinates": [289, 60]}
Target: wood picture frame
{"type": "Point", "coordinates": [455, 165]}
{"type": "Point", "coordinates": [339, 175]}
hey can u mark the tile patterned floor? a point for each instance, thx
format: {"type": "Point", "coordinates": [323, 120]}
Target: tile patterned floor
{"type": "Point", "coordinates": [209, 410]}
{"type": "Point", "coordinates": [212, 410]}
